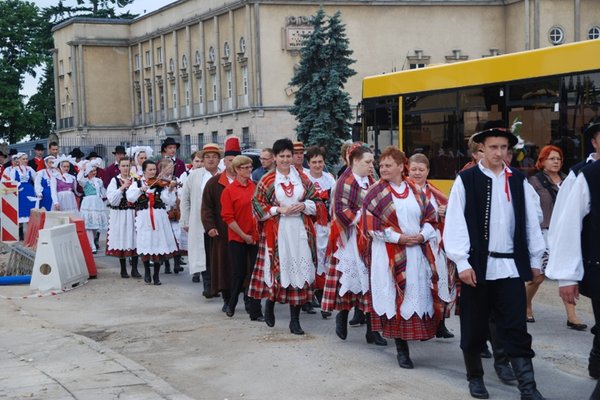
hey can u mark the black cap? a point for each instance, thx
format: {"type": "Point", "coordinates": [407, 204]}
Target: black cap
{"type": "Point", "coordinates": [168, 141]}
{"type": "Point", "coordinates": [119, 150]}
{"type": "Point", "coordinates": [39, 146]}
{"type": "Point", "coordinates": [495, 129]}
{"type": "Point", "coordinates": [592, 129]}
{"type": "Point", "coordinates": [12, 152]}
{"type": "Point", "coordinates": [76, 152]}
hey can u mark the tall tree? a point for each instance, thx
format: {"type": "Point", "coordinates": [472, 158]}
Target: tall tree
{"type": "Point", "coordinates": [20, 27]}
{"type": "Point", "coordinates": [321, 106]}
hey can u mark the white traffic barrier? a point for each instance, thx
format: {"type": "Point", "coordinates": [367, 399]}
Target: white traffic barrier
{"type": "Point", "coordinates": [10, 212]}
{"type": "Point", "coordinates": [57, 218]}
{"type": "Point", "coordinates": [59, 261]}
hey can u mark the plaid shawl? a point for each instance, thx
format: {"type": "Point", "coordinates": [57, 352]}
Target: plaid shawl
{"type": "Point", "coordinates": [379, 213]}
{"type": "Point", "coordinates": [347, 201]}
{"type": "Point", "coordinates": [264, 199]}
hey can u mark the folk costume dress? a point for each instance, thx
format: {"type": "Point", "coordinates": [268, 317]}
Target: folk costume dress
{"type": "Point", "coordinates": [45, 186]}
{"type": "Point", "coordinates": [347, 281]}
{"type": "Point", "coordinates": [66, 187]}
{"type": "Point", "coordinates": [121, 238]}
{"type": "Point", "coordinates": [323, 186]}
{"type": "Point", "coordinates": [285, 267]}
{"type": "Point", "coordinates": [154, 238]}
{"type": "Point", "coordinates": [404, 280]}
{"type": "Point", "coordinates": [24, 176]}
{"type": "Point", "coordinates": [93, 211]}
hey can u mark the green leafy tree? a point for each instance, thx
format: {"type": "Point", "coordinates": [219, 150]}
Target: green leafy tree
{"type": "Point", "coordinates": [20, 28]}
{"type": "Point", "coordinates": [321, 106]}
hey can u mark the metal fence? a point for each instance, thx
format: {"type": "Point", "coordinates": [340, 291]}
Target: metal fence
{"type": "Point", "coordinates": [104, 146]}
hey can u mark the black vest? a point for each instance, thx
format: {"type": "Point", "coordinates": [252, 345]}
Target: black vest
{"type": "Point", "coordinates": [123, 204]}
{"type": "Point", "coordinates": [478, 196]}
{"type": "Point", "coordinates": [577, 167]}
{"type": "Point", "coordinates": [590, 234]}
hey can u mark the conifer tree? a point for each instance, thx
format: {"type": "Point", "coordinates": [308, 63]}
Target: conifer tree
{"type": "Point", "coordinates": [321, 106]}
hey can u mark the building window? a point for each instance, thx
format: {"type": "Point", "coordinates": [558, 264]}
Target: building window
{"type": "Point", "coordinates": [215, 136]}
{"type": "Point", "coordinates": [211, 54]}
{"type": "Point", "coordinates": [197, 58]}
{"type": "Point", "coordinates": [229, 85]}
{"type": "Point", "coordinates": [200, 139]}
{"type": "Point", "coordinates": [594, 32]}
{"type": "Point", "coordinates": [171, 65]}
{"type": "Point", "coordinates": [148, 61]}
{"type": "Point", "coordinates": [174, 90]}
{"type": "Point", "coordinates": [150, 101]}
{"type": "Point", "coordinates": [245, 81]}
{"type": "Point", "coordinates": [159, 56]}
{"type": "Point", "coordinates": [246, 137]}
{"type": "Point", "coordinates": [557, 35]}
{"type": "Point", "coordinates": [200, 93]}
{"type": "Point", "coordinates": [184, 62]}
{"type": "Point", "coordinates": [161, 98]}
{"type": "Point", "coordinates": [226, 50]}
{"type": "Point", "coordinates": [136, 63]}
{"type": "Point", "coordinates": [417, 66]}
{"type": "Point", "coordinates": [61, 68]}
{"type": "Point", "coordinates": [214, 87]}
{"type": "Point", "coordinates": [242, 45]}
{"type": "Point", "coordinates": [187, 93]}
{"type": "Point", "coordinates": [229, 132]}
{"type": "Point", "coordinates": [138, 95]}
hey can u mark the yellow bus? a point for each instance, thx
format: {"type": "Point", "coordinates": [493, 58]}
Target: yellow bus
{"type": "Point", "coordinates": [554, 92]}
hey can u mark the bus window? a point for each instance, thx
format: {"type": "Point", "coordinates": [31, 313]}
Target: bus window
{"type": "Point", "coordinates": [380, 118]}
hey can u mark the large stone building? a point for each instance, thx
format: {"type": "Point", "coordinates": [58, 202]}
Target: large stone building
{"type": "Point", "coordinates": [202, 69]}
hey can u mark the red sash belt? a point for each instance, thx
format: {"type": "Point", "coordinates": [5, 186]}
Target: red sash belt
{"type": "Point", "coordinates": [151, 209]}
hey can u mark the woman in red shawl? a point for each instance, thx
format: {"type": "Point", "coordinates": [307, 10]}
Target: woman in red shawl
{"type": "Point", "coordinates": [401, 222]}
{"type": "Point", "coordinates": [347, 281]}
{"type": "Point", "coordinates": [418, 171]}
{"type": "Point", "coordinates": [284, 203]}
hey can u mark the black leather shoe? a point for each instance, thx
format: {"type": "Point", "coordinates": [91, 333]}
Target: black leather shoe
{"type": "Point", "coordinates": [375, 337]}
{"type": "Point", "coordinates": [505, 373]}
{"type": "Point", "coordinates": [270, 313]}
{"type": "Point", "coordinates": [124, 275]}
{"type": "Point", "coordinates": [229, 311]}
{"type": "Point", "coordinates": [196, 278]}
{"type": "Point", "coordinates": [404, 361]}
{"type": "Point", "coordinates": [358, 318]}
{"type": "Point", "coordinates": [576, 327]}
{"type": "Point", "coordinates": [477, 389]}
{"type": "Point", "coordinates": [341, 324]}
{"type": "Point", "coordinates": [260, 318]}
{"type": "Point", "coordinates": [308, 308]}
{"type": "Point", "coordinates": [135, 273]}
{"type": "Point", "coordinates": [486, 353]}
{"type": "Point", "coordinates": [325, 314]}
{"type": "Point", "coordinates": [443, 332]}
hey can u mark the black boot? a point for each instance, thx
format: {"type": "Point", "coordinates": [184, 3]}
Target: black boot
{"type": "Point", "coordinates": [97, 239]}
{"type": "Point", "coordinates": [295, 327]}
{"type": "Point", "coordinates": [373, 337]}
{"type": "Point", "coordinates": [177, 268]}
{"type": "Point", "coordinates": [523, 368]}
{"type": "Point", "coordinates": [341, 324]}
{"type": "Point", "coordinates": [442, 331]}
{"type": "Point", "coordinates": [358, 318]}
{"type": "Point", "coordinates": [403, 356]}
{"type": "Point", "coordinates": [475, 375]}
{"type": "Point", "coordinates": [147, 275]}
{"type": "Point", "coordinates": [167, 267]}
{"type": "Point", "coordinates": [594, 360]}
{"type": "Point", "coordinates": [206, 283]}
{"type": "Point", "coordinates": [501, 363]}
{"type": "Point", "coordinates": [134, 270]}
{"type": "Point", "coordinates": [196, 277]}
{"type": "Point", "coordinates": [155, 277]}
{"type": "Point", "coordinates": [270, 313]}
{"type": "Point", "coordinates": [123, 263]}
{"type": "Point", "coordinates": [316, 302]}
{"type": "Point", "coordinates": [596, 393]}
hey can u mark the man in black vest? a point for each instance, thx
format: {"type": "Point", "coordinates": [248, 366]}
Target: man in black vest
{"type": "Point", "coordinates": [493, 235]}
{"type": "Point", "coordinates": [575, 254]}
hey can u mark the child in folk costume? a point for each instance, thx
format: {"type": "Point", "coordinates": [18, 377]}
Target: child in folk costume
{"type": "Point", "coordinates": [7, 171]}
{"type": "Point", "coordinates": [24, 176]}
{"type": "Point", "coordinates": [155, 241]}
{"type": "Point", "coordinates": [347, 282]}
{"type": "Point", "coordinates": [284, 203]}
{"type": "Point", "coordinates": [166, 168]}
{"type": "Point", "coordinates": [93, 210]}
{"type": "Point", "coordinates": [138, 155]}
{"type": "Point", "coordinates": [66, 185]}
{"type": "Point", "coordinates": [120, 239]}
{"type": "Point", "coordinates": [323, 182]}
{"type": "Point", "coordinates": [45, 184]}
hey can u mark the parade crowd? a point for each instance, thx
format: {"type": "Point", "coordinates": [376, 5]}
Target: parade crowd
{"type": "Point", "coordinates": [387, 245]}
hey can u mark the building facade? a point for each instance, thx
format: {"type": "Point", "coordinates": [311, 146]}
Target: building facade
{"type": "Point", "coordinates": [203, 69]}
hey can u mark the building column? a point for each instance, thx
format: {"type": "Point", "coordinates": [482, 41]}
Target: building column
{"type": "Point", "coordinates": [255, 59]}
{"type": "Point", "coordinates": [233, 49]}
{"type": "Point", "coordinates": [58, 114]}
{"type": "Point", "coordinates": [74, 88]}
{"type": "Point", "coordinates": [577, 36]}
{"type": "Point", "coordinates": [527, 27]}
{"type": "Point", "coordinates": [536, 24]}
{"type": "Point", "coordinates": [81, 84]}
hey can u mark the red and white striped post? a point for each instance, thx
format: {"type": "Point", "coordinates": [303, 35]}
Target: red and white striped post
{"type": "Point", "coordinates": [9, 219]}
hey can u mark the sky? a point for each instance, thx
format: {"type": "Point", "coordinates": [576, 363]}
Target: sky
{"type": "Point", "coordinates": [138, 7]}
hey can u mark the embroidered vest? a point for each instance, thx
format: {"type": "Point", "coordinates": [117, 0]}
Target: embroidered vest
{"type": "Point", "coordinates": [478, 195]}
{"type": "Point", "coordinates": [123, 204]}
{"type": "Point", "coordinates": [590, 284]}
{"type": "Point", "coordinates": [143, 201]}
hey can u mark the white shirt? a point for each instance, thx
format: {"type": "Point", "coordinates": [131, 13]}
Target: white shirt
{"type": "Point", "coordinates": [501, 227]}
{"type": "Point", "coordinates": [564, 237]}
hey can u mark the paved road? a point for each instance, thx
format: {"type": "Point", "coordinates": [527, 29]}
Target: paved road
{"type": "Point", "coordinates": [119, 338]}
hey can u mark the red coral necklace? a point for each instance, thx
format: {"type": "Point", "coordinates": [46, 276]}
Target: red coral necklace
{"type": "Point", "coordinates": [288, 189]}
{"type": "Point", "coordinates": [402, 195]}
